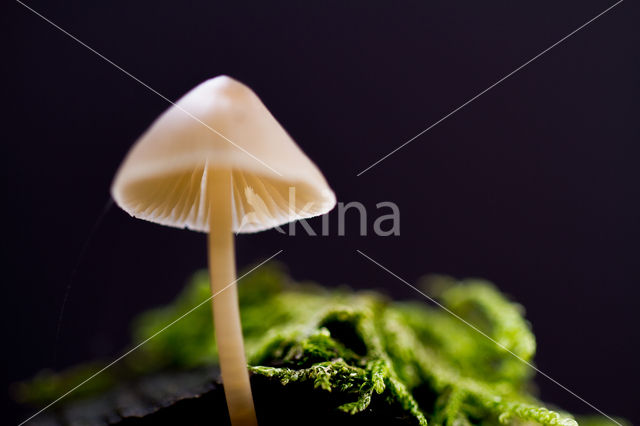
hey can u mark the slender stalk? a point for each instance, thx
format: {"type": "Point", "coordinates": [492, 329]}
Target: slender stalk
{"type": "Point", "coordinates": [226, 313]}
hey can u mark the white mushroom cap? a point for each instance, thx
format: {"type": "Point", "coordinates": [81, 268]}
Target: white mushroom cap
{"type": "Point", "coordinates": [220, 124]}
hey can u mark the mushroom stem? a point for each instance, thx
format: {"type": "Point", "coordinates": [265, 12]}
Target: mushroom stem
{"type": "Point", "coordinates": [226, 314]}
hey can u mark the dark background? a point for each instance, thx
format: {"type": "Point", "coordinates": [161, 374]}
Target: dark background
{"type": "Point", "coordinates": [533, 186]}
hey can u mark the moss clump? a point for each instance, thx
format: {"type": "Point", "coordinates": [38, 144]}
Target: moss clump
{"type": "Point", "coordinates": [360, 345]}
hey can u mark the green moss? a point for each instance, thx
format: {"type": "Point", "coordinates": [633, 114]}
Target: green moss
{"type": "Point", "coordinates": [358, 344]}
{"type": "Point", "coordinates": [601, 421]}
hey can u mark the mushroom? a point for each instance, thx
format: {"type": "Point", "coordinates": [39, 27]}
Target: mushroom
{"type": "Point", "coordinates": [217, 161]}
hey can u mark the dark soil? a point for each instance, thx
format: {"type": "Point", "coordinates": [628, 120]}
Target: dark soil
{"type": "Point", "coordinates": [197, 398]}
